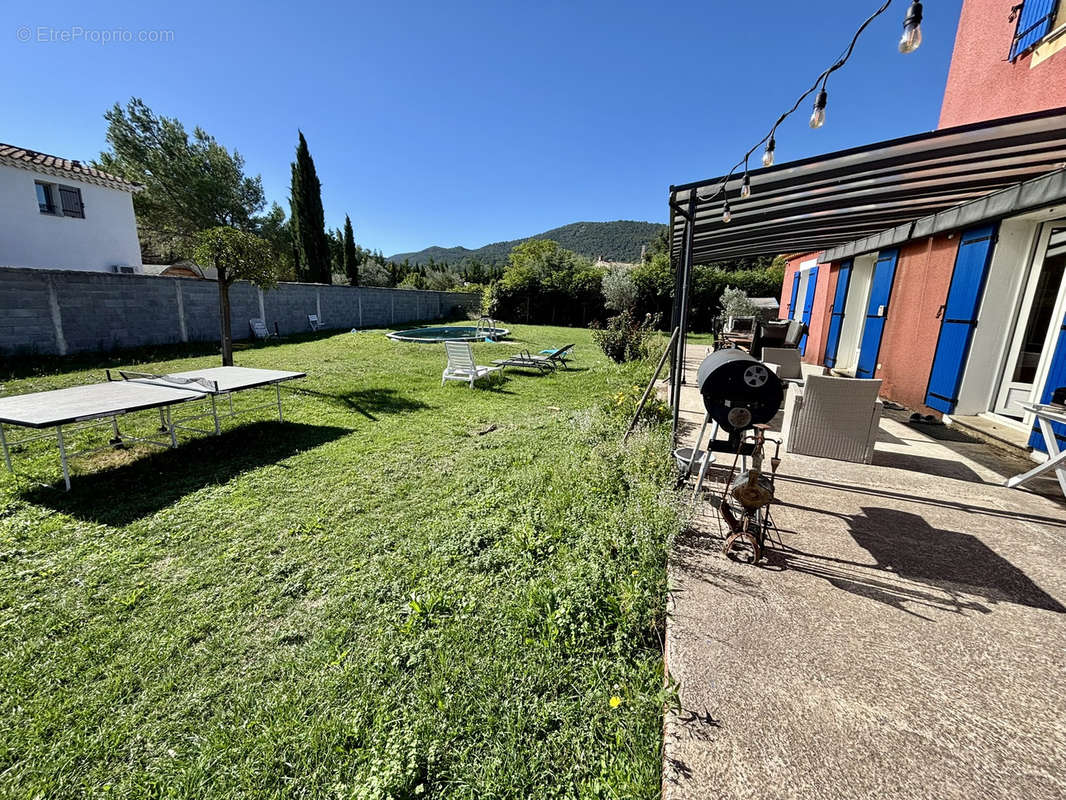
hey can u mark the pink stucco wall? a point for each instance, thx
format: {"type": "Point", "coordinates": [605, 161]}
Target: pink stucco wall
{"type": "Point", "coordinates": [982, 84]}
{"type": "Point", "coordinates": [823, 302]}
{"type": "Point", "coordinates": [923, 275]}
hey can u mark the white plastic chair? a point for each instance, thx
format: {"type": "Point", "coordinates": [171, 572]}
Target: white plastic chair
{"type": "Point", "coordinates": [832, 417]}
{"type": "Point", "coordinates": [461, 366]}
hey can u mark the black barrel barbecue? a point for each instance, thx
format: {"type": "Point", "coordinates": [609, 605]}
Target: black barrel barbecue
{"type": "Point", "coordinates": [738, 390]}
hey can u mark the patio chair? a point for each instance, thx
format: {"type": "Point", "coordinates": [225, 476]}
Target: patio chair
{"type": "Point", "coordinates": [461, 366]}
{"type": "Point", "coordinates": [768, 334]}
{"type": "Point", "coordinates": [832, 417]}
{"type": "Point", "coordinates": [784, 362]}
{"type": "Point", "coordinates": [313, 321]}
{"type": "Point", "coordinates": [796, 331]}
{"type": "Point", "coordinates": [259, 328]}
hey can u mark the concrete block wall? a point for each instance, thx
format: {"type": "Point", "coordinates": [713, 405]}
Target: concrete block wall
{"type": "Point", "coordinates": [63, 311]}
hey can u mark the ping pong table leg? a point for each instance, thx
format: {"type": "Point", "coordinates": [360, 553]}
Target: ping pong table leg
{"type": "Point", "coordinates": [163, 424]}
{"type": "Point", "coordinates": [7, 453]}
{"type": "Point", "coordinates": [117, 438]}
{"type": "Point", "coordinates": [63, 456]}
{"type": "Point", "coordinates": [277, 388]}
{"type": "Point", "coordinates": [214, 415]}
{"type": "Point", "coordinates": [169, 423]}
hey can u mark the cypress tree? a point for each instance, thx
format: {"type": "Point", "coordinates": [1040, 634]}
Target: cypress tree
{"type": "Point", "coordinates": [351, 260]}
{"type": "Point", "coordinates": [308, 218]}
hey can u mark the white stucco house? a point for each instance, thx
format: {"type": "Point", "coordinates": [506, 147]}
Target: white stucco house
{"type": "Point", "coordinates": [61, 214]}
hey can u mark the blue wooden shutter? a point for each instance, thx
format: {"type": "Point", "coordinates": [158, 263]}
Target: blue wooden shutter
{"type": "Point", "coordinates": [836, 319]}
{"type": "Point", "coordinates": [795, 291]}
{"type": "Point", "coordinates": [960, 317]}
{"type": "Point", "coordinates": [1034, 22]}
{"type": "Point", "coordinates": [1056, 378]}
{"type": "Point", "coordinates": [808, 306]}
{"type": "Point", "coordinates": [880, 292]}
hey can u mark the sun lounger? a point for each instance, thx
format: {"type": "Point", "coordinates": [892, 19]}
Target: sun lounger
{"type": "Point", "coordinates": [525, 360]}
{"type": "Point", "coordinates": [546, 362]}
{"type": "Point", "coordinates": [461, 366]}
{"type": "Point", "coordinates": [561, 355]}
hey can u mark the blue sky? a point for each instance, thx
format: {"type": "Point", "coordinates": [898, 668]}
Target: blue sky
{"type": "Point", "coordinates": [471, 122]}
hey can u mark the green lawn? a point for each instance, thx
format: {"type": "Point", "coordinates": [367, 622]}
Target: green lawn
{"type": "Point", "coordinates": [404, 591]}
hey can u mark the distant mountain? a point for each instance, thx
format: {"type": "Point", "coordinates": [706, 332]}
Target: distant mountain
{"type": "Point", "coordinates": [614, 241]}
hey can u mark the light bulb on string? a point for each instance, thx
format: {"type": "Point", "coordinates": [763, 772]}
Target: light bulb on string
{"type": "Point", "coordinates": [745, 187]}
{"type": "Point", "coordinates": [768, 156]}
{"type": "Point", "coordinates": [727, 215]}
{"type": "Point", "coordinates": [912, 29]}
{"type": "Point", "coordinates": [818, 115]}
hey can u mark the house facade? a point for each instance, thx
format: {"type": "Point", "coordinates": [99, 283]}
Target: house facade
{"type": "Point", "coordinates": [61, 214]}
{"type": "Point", "coordinates": [967, 319]}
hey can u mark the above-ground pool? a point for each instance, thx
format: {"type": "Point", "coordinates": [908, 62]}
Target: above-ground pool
{"type": "Point", "coordinates": [450, 333]}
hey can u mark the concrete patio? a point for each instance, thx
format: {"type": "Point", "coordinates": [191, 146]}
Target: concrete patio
{"type": "Point", "coordinates": [904, 640]}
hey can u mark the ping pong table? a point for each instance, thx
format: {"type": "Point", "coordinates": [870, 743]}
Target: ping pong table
{"type": "Point", "coordinates": [81, 408]}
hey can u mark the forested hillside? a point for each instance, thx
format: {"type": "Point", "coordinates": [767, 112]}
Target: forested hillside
{"type": "Point", "coordinates": [613, 241]}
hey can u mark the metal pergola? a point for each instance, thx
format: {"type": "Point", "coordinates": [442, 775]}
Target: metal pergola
{"type": "Point", "coordinates": [832, 200]}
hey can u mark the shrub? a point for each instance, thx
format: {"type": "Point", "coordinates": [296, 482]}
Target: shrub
{"type": "Point", "coordinates": [624, 404]}
{"type": "Point", "coordinates": [624, 339]}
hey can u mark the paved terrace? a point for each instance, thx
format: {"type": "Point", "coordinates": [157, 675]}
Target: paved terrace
{"type": "Point", "coordinates": [907, 640]}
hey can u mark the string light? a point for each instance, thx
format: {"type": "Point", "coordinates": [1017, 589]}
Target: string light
{"type": "Point", "coordinates": [912, 29]}
{"type": "Point", "coordinates": [818, 115]}
{"type": "Point", "coordinates": [912, 37]}
{"type": "Point", "coordinates": [768, 156]}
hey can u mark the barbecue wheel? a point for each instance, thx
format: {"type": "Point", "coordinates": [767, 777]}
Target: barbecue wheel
{"type": "Point", "coordinates": [743, 545]}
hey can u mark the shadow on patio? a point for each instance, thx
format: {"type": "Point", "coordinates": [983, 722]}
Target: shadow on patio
{"type": "Point", "coordinates": [925, 566]}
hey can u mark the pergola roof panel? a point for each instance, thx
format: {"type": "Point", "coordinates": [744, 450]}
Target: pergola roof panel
{"type": "Point", "coordinates": [826, 201]}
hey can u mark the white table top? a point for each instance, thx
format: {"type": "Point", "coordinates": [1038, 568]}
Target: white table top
{"type": "Point", "coordinates": [63, 406]}
{"type": "Point", "coordinates": [77, 403]}
{"type": "Point", "coordinates": [1053, 413]}
{"type": "Point", "coordinates": [226, 379]}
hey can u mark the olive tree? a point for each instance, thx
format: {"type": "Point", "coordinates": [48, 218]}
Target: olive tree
{"type": "Point", "coordinates": [236, 255]}
{"type": "Point", "coordinates": [619, 289]}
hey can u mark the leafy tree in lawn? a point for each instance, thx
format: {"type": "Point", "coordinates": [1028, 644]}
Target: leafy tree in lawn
{"type": "Point", "coordinates": [236, 255]}
{"type": "Point", "coordinates": [548, 283]}
{"type": "Point", "coordinates": [308, 218]}
{"type": "Point", "coordinates": [351, 254]}
{"type": "Point", "coordinates": [191, 183]}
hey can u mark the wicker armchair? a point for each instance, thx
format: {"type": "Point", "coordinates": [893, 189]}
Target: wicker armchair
{"type": "Point", "coordinates": [832, 417]}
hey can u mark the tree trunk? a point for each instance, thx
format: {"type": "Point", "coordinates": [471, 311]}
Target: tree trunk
{"type": "Point", "coordinates": [224, 320]}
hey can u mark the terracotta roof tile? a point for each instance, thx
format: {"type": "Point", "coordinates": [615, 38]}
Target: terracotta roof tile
{"type": "Point", "coordinates": [75, 168]}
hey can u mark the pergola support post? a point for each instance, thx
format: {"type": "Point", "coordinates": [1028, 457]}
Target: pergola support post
{"type": "Point", "coordinates": [684, 285]}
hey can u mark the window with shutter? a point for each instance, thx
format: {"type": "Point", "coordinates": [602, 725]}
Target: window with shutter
{"type": "Point", "coordinates": [70, 200]}
{"type": "Point", "coordinates": [45, 199]}
{"type": "Point", "coordinates": [1034, 21]}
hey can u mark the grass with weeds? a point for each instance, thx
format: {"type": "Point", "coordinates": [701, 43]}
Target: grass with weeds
{"type": "Point", "coordinates": [403, 591]}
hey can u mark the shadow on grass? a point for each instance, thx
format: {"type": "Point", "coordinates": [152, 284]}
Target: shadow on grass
{"type": "Point", "coordinates": [368, 402]}
{"type": "Point", "coordinates": [142, 487]}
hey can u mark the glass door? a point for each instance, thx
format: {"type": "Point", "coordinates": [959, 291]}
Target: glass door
{"type": "Point", "coordinates": [1034, 323]}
